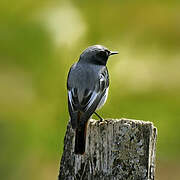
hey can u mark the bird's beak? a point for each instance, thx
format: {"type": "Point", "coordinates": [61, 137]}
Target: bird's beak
{"type": "Point", "coordinates": [113, 53]}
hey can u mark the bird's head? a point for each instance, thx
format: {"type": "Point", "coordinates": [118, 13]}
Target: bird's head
{"type": "Point", "coordinates": [96, 54]}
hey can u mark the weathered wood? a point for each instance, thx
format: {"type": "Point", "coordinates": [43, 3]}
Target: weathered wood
{"type": "Point", "coordinates": [115, 149]}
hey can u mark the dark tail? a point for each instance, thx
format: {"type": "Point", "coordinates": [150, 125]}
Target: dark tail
{"type": "Point", "coordinates": [80, 140]}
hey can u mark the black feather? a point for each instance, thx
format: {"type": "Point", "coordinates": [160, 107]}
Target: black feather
{"type": "Point", "coordinates": [80, 140]}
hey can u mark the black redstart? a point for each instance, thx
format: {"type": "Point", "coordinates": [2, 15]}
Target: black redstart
{"type": "Point", "coordinates": [87, 84]}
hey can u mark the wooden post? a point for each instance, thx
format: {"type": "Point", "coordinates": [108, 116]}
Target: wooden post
{"type": "Point", "coordinates": [116, 149]}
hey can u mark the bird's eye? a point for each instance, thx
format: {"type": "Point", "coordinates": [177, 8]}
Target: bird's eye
{"type": "Point", "coordinates": [102, 54]}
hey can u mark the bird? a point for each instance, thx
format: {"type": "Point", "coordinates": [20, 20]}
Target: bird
{"type": "Point", "coordinates": [87, 87]}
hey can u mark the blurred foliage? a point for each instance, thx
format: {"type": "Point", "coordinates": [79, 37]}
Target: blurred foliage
{"type": "Point", "coordinates": [39, 42]}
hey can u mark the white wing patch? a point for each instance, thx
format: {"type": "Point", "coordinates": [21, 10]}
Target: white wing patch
{"type": "Point", "coordinates": [70, 99]}
{"type": "Point", "coordinates": [103, 99]}
{"type": "Point", "coordinates": [91, 100]}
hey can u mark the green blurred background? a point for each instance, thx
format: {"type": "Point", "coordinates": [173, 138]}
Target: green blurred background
{"type": "Point", "coordinates": [39, 40]}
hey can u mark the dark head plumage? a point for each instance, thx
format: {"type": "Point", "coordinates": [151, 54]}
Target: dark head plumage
{"type": "Point", "coordinates": [96, 54]}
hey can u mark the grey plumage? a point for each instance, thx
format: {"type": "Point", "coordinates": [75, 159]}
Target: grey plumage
{"type": "Point", "coordinates": [88, 82]}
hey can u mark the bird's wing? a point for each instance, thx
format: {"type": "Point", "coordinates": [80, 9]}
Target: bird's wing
{"type": "Point", "coordinates": [97, 94]}
{"type": "Point", "coordinates": [86, 100]}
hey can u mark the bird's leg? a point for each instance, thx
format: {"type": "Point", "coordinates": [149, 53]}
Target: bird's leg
{"type": "Point", "coordinates": [101, 119]}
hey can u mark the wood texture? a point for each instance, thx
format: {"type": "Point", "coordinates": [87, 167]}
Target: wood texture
{"type": "Point", "coordinates": [115, 149]}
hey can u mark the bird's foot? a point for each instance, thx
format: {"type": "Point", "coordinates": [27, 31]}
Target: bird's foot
{"type": "Point", "coordinates": [100, 118]}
